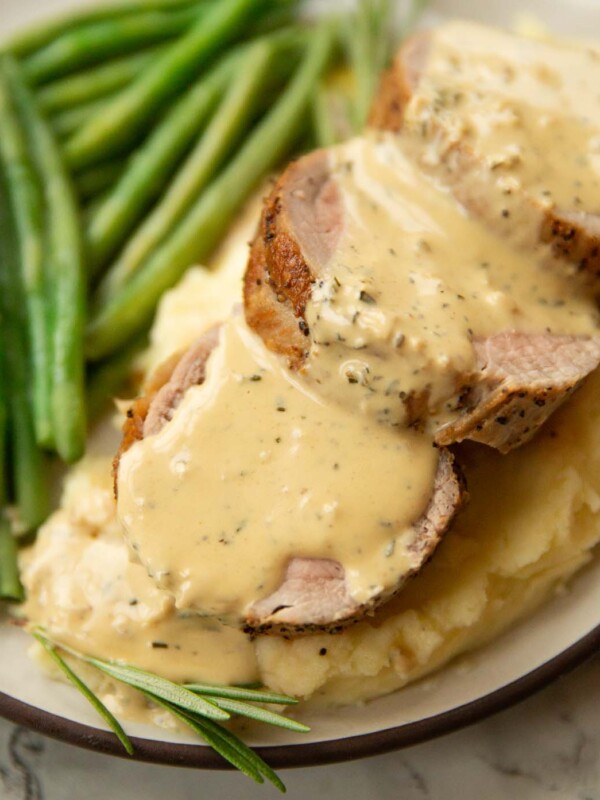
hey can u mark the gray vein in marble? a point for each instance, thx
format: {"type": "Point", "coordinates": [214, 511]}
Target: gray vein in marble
{"type": "Point", "coordinates": [19, 780]}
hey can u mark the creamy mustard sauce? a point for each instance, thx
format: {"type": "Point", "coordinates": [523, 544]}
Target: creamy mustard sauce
{"type": "Point", "coordinates": [253, 470]}
{"type": "Point", "coordinates": [412, 281]}
{"type": "Point", "coordinates": [529, 109]}
{"type": "Point", "coordinates": [83, 589]}
{"type": "Point", "coordinates": [260, 465]}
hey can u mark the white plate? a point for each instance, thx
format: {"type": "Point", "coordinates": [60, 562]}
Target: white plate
{"type": "Point", "coordinates": [554, 639]}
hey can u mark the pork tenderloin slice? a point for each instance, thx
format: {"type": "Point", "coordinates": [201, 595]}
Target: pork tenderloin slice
{"type": "Point", "coordinates": [572, 234]}
{"type": "Point", "coordinates": [300, 226]}
{"type": "Point", "coordinates": [524, 378]}
{"type": "Point", "coordinates": [314, 595]}
{"type": "Point", "coordinates": [399, 82]}
{"type": "Point", "coordinates": [189, 371]}
{"type": "Point", "coordinates": [163, 392]}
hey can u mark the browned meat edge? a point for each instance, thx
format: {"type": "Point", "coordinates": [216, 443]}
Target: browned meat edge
{"type": "Point", "coordinates": [278, 280]}
{"type": "Point", "coordinates": [162, 394]}
{"type": "Point", "coordinates": [312, 586]}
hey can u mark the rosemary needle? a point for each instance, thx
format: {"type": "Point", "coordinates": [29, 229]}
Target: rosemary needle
{"type": "Point", "coordinates": [260, 714]}
{"type": "Point", "coordinates": [85, 690]}
{"type": "Point", "coordinates": [242, 760]}
{"type": "Point", "coordinates": [253, 694]}
{"type": "Point", "coordinates": [160, 687]}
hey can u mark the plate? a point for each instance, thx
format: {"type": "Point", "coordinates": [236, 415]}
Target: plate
{"type": "Point", "coordinates": [550, 642]}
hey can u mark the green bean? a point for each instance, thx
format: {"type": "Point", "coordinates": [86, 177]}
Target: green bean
{"type": "Point", "coordinates": [152, 165]}
{"type": "Point", "coordinates": [36, 36]}
{"type": "Point", "coordinates": [69, 121]}
{"type": "Point", "coordinates": [322, 117]}
{"type": "Point", "coordinates": [28, 467]}
{"type": "Point", "coordinates": [89, 207]}
{"type": "Point", "coordinates": [132, 109]}
{"type": "Point", "coordinates": [89, 45]}
{"type": "Point", "coordinates": [26, 202]}
{"type": "Point", "coordinates": [201, 228]}
{"type": "Point", "coordinates": [382, 31]}
{"type": "Point", "coordinates": [96, 180]}
{"type": "Point", "coordinates": [3, 425]}
{"type": "Point", "coordinates": [65, 274]}
{"type": "Point", "coordinates": [281, 16]}
{"type": "Point", "coordinates": [368, 47]}
{"type": "Point", "coordinates": [10, 584]}
{"type": "Point", "coordinates": [361, 56]}
{"type": "Point", "coordinates": [233, 117]}
{"type": "Point", "coordinates": [95, 82]}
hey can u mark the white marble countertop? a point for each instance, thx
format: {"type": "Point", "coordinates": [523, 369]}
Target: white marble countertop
{"type": "Point", "coordinates": [548, 746]}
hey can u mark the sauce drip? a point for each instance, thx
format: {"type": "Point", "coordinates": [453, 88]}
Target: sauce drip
{"type": "Point", "coordinates": [253, 470]}
{"type": "Point", "coordinates": [82, 588]}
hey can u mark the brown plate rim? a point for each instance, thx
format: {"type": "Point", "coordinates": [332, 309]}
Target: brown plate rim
{"type": "Point", "coordinates": [313, 753]}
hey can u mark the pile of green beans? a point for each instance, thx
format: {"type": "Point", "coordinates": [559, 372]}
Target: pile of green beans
{"type": "Point", "coordinates": [24, 474]}
{"type": "Point", "coordinates": [207, 218]}
{"type": "Point", "coordinates": [130, 134]}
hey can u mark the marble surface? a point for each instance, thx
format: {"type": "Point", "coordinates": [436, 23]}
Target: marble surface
{"type": "Point", "coordinates": [546, 747]}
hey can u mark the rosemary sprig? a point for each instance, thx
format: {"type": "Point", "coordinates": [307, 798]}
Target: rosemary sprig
{"type": "Point", "coordinates": [10, 583]}
{"type": "Point", "coordinates": [85, 690]}
{"type": "Point", "coordinates": [260, 714]}
{"type": "Point", "coordinates": [160, 687]}
{"type": "Point", "coordinates": [199, 706]}
{"type": "Point", "coordinates": [229, 746]}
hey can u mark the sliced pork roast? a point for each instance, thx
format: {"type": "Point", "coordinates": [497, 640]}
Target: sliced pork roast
{"type": "Point", "coordinates": [299, 228]}
{"type": "Point", "coordinates": [314, 595]}
{"type": "Point", "coordinates": [511, 126]}
{"type": "Point", "coordinates": [521, 379]}
{"type": "Point", "coordinates": [524, 378]}
{"type": "Point", "coordinates": [518, 379]}
{"type": "Point", "coordinates": [163, 392]}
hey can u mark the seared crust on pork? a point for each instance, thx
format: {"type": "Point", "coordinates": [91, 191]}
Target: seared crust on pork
{"type": "Point", "coordinates": [298, 230]}
{"type": "Point", "coordinates": [397, 85]}
{"type": "Point", "coordinates": [524, 378]}
{"type": "Point", "coordinates": [268, 310]}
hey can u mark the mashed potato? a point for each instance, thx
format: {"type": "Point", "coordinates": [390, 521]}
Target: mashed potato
{"type": "Point", "coordinates": [533, 520]}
